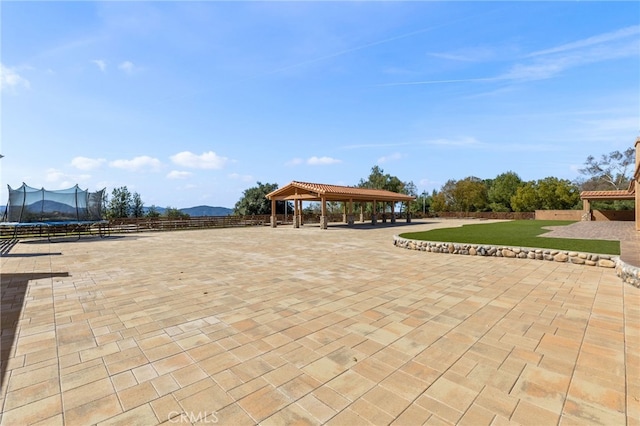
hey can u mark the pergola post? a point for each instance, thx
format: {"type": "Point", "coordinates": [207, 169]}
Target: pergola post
{"type": "Point", "coordinates": [296, 213]}
{"type": "Point", "coordinates": [344, 212]}
{"type": "Point", "coordinates": [393, 212]}
{"type": "Point", "coordinates": [301, 213]}
{"type": "Point", "coordinates": [408, 214]}
{"type": "Point", "coordinates": [274, 217]}
{"type": "Point", "coordinates": [361, 212]}
{"type": "Point", "coordinates": [324, 220]}
{"type": "Point", "coordinates": [374, 214]}
{"type": "Point", "coordinates": [350, 216]}
{"type": "Point", "coordinates": [586, 210]}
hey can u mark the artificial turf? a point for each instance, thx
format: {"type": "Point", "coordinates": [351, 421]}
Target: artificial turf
{"type": "Point", "coordinates": [517, 233]}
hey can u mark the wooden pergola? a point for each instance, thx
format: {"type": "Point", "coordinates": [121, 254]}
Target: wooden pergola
{"type": "Point", "coordinates": [319, 192]}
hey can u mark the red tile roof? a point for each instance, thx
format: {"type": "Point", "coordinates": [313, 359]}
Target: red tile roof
{"type": "Point", "coordinates": [608, 195]}
{"type": "Point", "coordinates": [314, 191]}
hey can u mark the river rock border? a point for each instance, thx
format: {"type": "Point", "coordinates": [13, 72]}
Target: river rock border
{"type": "Point", "coordinates": [589, 259]}
{"type": "Point", "coordinates": [628, 273]}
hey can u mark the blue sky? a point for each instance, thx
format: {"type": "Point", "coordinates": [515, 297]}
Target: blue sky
{"type": "Point", "coordinates": [191, 103]}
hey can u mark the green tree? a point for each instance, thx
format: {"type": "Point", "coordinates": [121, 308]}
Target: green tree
{"type": "Point", "coordinates": [470, 194]}
{"type": "Point", "coordinates": [501, 190]}
{"type": "Point", "coordinates": [558, 194]}
{"type": "Point", "coordinates": [526, 198]}
{"type": "Point", "coordinates": [175, 214]}
{"type": "Point", "coordinates": [153, 211]}
{"type": "Point", "coordinates": [610, 171]}
{"type": "Point", "coordinates": [137, 206]}
{"type": "Point", "coordinates": [120, 203]}
{"type": "Point", "coordinates": [255, 202]}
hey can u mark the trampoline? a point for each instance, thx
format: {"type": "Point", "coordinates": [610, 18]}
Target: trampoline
{"type": "Point", "coordinates": [55, 212]}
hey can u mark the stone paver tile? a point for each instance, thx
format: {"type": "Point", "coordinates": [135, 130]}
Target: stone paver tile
{"type": "Point", "coordinates": [373, 369]}
{"type": "Point", "coordinates": [263, 403]}
{"type": "Point", "coordinates": [351, 385]}
{"type": "Point", "coordinates": [413, 415]}
{"type": "Point", "coordinates": [348, 417]}
{"type": "Point", "coordinates": [387, 400]}
{"type": "Point", "coordinates": [232, 414]}
{"type": "Point", "coordinates": [34, 412]}
{"type": "Point", "coordinates": [137, 395]}
{"type": "Point", "coordinates": [526, 413]}
{"type": "Point", "coordinates": [93, 412]}
{"type": "Point", "coordinates": [57, 420]}
{"type": "Point", "coordinates": [100, 351]}
{"type": "Point", "coordinates": [542, 387]}
{"type": "Point", "coordinates": [496, 401]}
{"type": "Point", "coordinates": [139, 416]}
{"type": "Point", "coordinates": [83, 376]}
{"type": "Point", "coordinates": [442, 410]}
{"type": "Point", "coordinates": [370, 412]}
{"type": "Point", "coordinates": [31, 377]}
{"type": "Point", "coordinates": [188, 375]}
{"type": "Point", "coordinates": [404, 385]}
{"type": "Point", "coordinates": [87, 393]}
{"type": "Point", "coordinates": [299, 386]}
{"type": "Point", "coordinates": [580, 410]}
{"type": "Point", "coordinates": [331, 398]}
{"type": "Point", "coordinates": [282, 374]}
{"type": "Point", "coordinates": [166, 408]}
{"type": "Point", "coordinates": [123, 380]}
{"type": "Point", "coordinates": [451, 393]}
{"type": "Point", "coordinates": [318, 410]}
{"type": "Point", "coordinates": [324, 369]}
{"type": "Point", "coordinates": [476, 416]}
{"type": "Point", "coordinates": [205, 351]}
{"type": "Point", "coordinates": [144, 373]}
{"type": "Point", "coordinates": [172, 363]}
{"type": "Point", "coordinates": [164, 384]}
{"type": "Point", "coordinates": [219, 362]}
{"type": "Point", "coordinates": [247, 388]}
{"type": "Point", "coordinates": [30, 394]}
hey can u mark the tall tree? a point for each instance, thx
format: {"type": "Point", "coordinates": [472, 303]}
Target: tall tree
{"type": "Point", "coordinates": [120, 203]}
{"type": "Point", "coordinates": [610, 171]}
{"type": "Point", "coordinates": [137, 206]}
{"type": "Point", "coordinates": [470, 194]}
{"type": "Point", "coordinates": [501, 189]}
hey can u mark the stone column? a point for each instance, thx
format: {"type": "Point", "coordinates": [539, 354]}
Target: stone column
{"type": "Point", "coordinates": [586, 210]}
{"type": "Point", "coordinates": [361, 212]}
{"type": "Point", "coordinates": [393, 212]}
{"type": "Point", "coordinates": [274, 217]}
{"type": "Point", "coordinates": [324, 220]}
{"type": "Point", "coordinates": [408, 214]}
{"type": "Point", "coordinates": [350, 216]}
{"type": "Point", "coordinates": [374, 213]}
{"type": "Point", "coordinates": [637, 183]}
{"type": "Point", "coordinates": [344, 212]}
{"type": "Point", "coordinates": [301, 213]}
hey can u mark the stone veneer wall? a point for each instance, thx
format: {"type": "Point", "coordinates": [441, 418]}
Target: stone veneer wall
{"type": "Point", "coordinates": [601, 260]}
{"type": "Point", "coordinates": [628, 273]}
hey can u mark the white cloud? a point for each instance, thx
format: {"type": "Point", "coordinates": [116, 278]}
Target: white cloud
{"type": "Point", "coordinates": [322, 161]}
{"type": "Point", "coordinates": [101, 64]}
{"type": "Point", "coordinates": [9, 78]}
{"type": "Point", "coordinates": [393, 157]}
{"type": "Point", "coordinates": [137, 164]}
{"type": "Point", "coordinates": [61, 180]}
{"type": "Point", "coordinates": [176, 174]}
{"type": "Point", "coordinates": [591, 41]}
{"type": "Point", "coordinates": [127, 67]}
{"type": "Point", "coordinates": [243, 178]}
{"type": "Point", "coordinates": [474, 54]}
{"type": "Point", "coordinates": [84, 163]}
{"type": "Point", "coordinates": [206, 160]}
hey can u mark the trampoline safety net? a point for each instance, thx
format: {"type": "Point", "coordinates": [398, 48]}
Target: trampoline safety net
{"type": "Point", "coordinates": [27, 205]}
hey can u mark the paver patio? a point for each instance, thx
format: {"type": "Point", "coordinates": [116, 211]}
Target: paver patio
{"type": "Point", "coordinates": [302, 326]}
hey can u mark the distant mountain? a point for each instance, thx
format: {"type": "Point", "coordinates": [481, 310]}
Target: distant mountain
{"type": "Point", "coordinates": [207, 211]}
{"type": "Point", "coordinates": [197, 211]}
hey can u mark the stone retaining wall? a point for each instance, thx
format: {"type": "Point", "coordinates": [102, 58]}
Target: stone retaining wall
{"type": "Point", "coordinates": [600, 260]}
{"type": "Point", "coordinates": [628, 273]}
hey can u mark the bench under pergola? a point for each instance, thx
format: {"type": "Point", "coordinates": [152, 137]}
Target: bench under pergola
{"type": "Point", "coordinates": [319, 192]}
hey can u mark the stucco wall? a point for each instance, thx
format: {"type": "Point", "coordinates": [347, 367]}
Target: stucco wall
{"type": "Point", "coordinates": [598, 215]}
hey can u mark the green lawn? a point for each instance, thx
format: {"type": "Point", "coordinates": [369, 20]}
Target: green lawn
{"type": "Point", "coordinates": [517, 233]}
